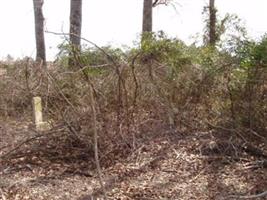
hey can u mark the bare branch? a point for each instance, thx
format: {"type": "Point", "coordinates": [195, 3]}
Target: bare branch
{"type": "Point", "coordinates": [249, 196]}
{"type": "Point", "coordinates": [160, 2]}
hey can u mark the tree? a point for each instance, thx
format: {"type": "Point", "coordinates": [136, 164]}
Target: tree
{"type": "Point", "coordinates": [230, 27]}
{"type": "Point", "coordinates": [39, 31]}
{"type": "Point", "coordinates": [212, 23]}
{"type": "Point", "coordinates": [148, 13]}
{"type": "Point", "coordinates": [147, 16]}
{"type": "Point", "coordinates": [75, 30]}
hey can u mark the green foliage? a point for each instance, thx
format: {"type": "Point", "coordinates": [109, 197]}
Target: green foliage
{"type": "Point", "coordinates": [251, 53]}
{"type": "Point", "coordinates": [207, 57]}
{"type": "Point", "coordinates": [248, 83]}
{"type": "Point", "coordinates": [229, 29]}
{"type": "Point", "coordinates": [259, 53]}
{"type": "Point", "coordinates": [221, 85]}
{"type": "Point", "coordinates": [94, 56]}
{"type": "Point", "coordinates": [97, 61]}
{"type": "Point", "coordinates": [92, 60]}
{"type": "Point", "coordinates": [159, 47]}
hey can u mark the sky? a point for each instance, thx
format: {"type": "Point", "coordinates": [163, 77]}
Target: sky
{"type": "Point", "coordinates": [115, 22]}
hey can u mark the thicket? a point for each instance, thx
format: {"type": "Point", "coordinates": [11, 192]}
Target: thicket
{"type": "Point", "coordinates": [128, 95]}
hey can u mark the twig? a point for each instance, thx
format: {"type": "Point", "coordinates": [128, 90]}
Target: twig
{"type": "Point", "coordinates": [2, 194]}
{"type": "Point", "coordinates": [159, 2]}
{"type": "Point", "coordinates": [19, 145]}
{"type": "Point", "coordinates": [60, 92]}
{"type": "Point", "coordinates": [226, 129]}
{"type": "Point", "coordinates": [258, 135]}
{"type": "Point", "coordinates": [88, 41]}
{"type": "Point", "coordinates": [256, 164]}
{"type": "Point", "coordinates": [121, 83]}
{"type": "Point", "coordinates": [1, 149]}
{"type": "Point", "coordinates": [249, 196]}
{"type": "Point", "coordinates": [96, 141]}
{"type": "Point", "coordinates": [25, 142]}
{"type": "Point", "coordinates": [87, 67]}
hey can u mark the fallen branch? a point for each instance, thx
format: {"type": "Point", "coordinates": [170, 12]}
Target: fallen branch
{"type": "Point", "coordinates": [25, 142]}
{"type": "Point", "coordinates": [257, 164]}
{"type": "Point", "coordinates": [2, 194]}
{"type": "Point", "coordinates": [249, 196]}
{"type": "Point", "coordinates": [98, 167]}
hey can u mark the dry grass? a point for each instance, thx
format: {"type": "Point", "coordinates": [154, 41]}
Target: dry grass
{"type": "Point", "coordinates": [142, 106]}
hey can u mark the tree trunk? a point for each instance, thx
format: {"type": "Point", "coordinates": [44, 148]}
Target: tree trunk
{"type": "Point", "coordinates": [147, 16]}
{"type": "Point", "coordinates": [75, 30]}
{"type": "Point", "coordinates": [39, 31]}
{"type": "Point", "coordinates": [212, 23]}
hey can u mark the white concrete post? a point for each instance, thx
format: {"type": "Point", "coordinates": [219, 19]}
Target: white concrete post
{"type": "Point", "coordinates": [37, 110]}
{"type": "Point", "coordinates": [38, 115]}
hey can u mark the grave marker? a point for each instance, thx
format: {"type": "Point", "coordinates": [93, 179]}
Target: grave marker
{"type": "Point", "coordinates": [38, 115]}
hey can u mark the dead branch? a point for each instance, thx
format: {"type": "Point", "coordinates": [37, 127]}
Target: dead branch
{"type": "Point", "coordinates": [92, 99]}
{"type": "Point", "coordinates": [263, 194]}
{"type": "Point", "coordinates": [2, 194]}
{"type": "Point", "coordinates": [4, 156]}
{"type": "Point", "coordinates": [159, 2]}
{"type": "Point", "coordinates": [121, 81]}
{"type": "Point", "coordinates": [93, 108]}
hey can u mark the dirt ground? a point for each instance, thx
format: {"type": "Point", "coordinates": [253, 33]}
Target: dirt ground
{"type": "Point", "coordinates": [163, 166]}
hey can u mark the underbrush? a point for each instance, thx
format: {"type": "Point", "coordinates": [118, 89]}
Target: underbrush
{"type": "Point", "coordinates": [124, 97]}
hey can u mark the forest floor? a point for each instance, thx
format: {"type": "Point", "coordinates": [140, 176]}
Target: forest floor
{"type": "Point", "coordinates": [163, 166]}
